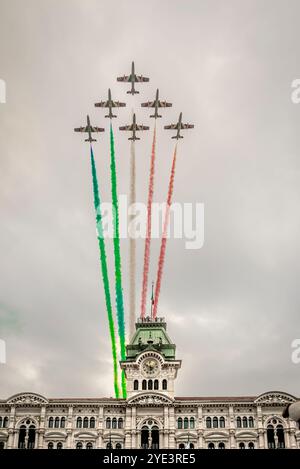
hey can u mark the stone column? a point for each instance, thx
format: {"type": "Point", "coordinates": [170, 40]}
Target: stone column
{"type": "Point", "coordinates": [166, 427]}
{"type": "Point", "coordinates": [128, 423]}
{"type": "Point", "coordinates": [100, 428]}
{"type": "Point", "coordinates": [293, 441]}
{"type": "Point", "coordinates": [69, 427]}
{"type": "Point", "coordinates": [172, 428]}
{"type": "Point", "coordinates": [41, 431]}
{"type": "Point", "coordinates": [199, 427]}
{"type": "Point", "coordinates": [232, 440]}
{"type": "Point", "coordinates": [134, 443]}
{"type": "Point", "coordinates": [262, 442]}
{"type": "Point", "coordinates": [11, 427]}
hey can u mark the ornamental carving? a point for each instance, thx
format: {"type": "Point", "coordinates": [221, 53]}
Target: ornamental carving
{"type": "Point", "coordinates": [275, 398]}
{"type": "Point", "coordinates": [27, 398]}
{"type": "Point", "coordinates": [150, 399]}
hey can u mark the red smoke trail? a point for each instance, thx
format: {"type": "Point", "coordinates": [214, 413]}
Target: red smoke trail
{"type": "Point", "coordinates": [163, 245]}
{"type": "Point", "coordinates": [148, 232]}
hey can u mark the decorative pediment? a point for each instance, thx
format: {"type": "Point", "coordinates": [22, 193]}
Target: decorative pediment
{"type": "Point", "coordinates": [275, 398]}
{"type": "Point", "coordinates": [150, 400]}
{"type": "Point", "coordinates": [27, 398]}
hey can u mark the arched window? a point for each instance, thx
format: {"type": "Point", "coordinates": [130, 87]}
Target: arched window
{"type": "Point", "coordinates": [109, 446]}
{"type": "Point", "coordinates": [181, 446]}
{"type": "Point", "coordinates": [192, 422]}
{"type": "Point", "coordinates": [79, 422]}
{"type": "Point", "coordinates": [50, 423]}
{"type": "Point", "coordinates": [242, 445]}
{"type": "Point", "coordinates": [179, 423]}
{"type": "Point", "coordinates": [185, 423]}
{"type": "Point", "coordinates": [120, 422]}
{"type": "Point", "coordinates": [164, 384]}
{"type": "Point", "coordinates": [251, 445]}
{"type": "Point", "coordinates": [89, 445]}
{"type": "Point", "coordinates": [156, 384]}
{"type": "Point", "coordinates": [114, 423]}
{"type": "Point", "coordinates": [270, 437]}
{"type": "Point", "coordinates": [108, 422]}
{"type": "Point", "coordinates": [5, 422]}
{"type": "Point", "coordinates": [150, 384]}
{"type": "Point", "coordinates": [208, 422]}
{"type": "Point", "coordinates": [85, 422]}
{"type": "Point", "coordinates": [215, 422]}
{"type": "Point", "coordinates": [211, 446]}
{"type": "Point", "coordinates": [0, 422]}
{"type": "Point", "coordinates": [245, 422]}
{"type": "Point", "coordinates": [22, 436]}
{"type": "Point", "coordinates": [56, 422]}
{"type": "Point", "coordinates": [59, 445]}
{"type": "Point", "coordinates": [280, 436]}
{"type": "Point", "coordinates": [222, 422]}
{"type": "Point", "coordinates": [92, 422]}
{"type": "Point", "coordinates": [144, 385]}
{"type": "Point", "coordinates": [238, 422]}
{"type": "Point", "coordinates": [136, 385]}
{"type": "Point", "coordinates": [2, 444]}
{"type": "Point", "coordinates": [50, 445]}
{"type": "Point", "coordinates": [221, 446]}
{"type": "Point", "coordinates": [79, 445]}
{"type": "Point", "coordinates": [251, 422]}
{"type": "Point", "coordinates": [118, 446]}
{"type": "Point", "coordinates": [63, 422]}
{"type": "Point", "coordinates": [191, 446]}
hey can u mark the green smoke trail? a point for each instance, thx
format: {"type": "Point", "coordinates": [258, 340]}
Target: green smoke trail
{"type": "Point", "coordinates": [118, 273]}
{"type": "Point", "coordinates": [97, 204]}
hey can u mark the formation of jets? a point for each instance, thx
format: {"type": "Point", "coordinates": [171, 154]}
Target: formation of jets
{"type": "Point", "coordinates": [110, 104]}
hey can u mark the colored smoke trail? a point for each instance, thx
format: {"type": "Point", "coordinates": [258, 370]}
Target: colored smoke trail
{"type": "Point", "coordinates": [132, 244]}
{"type": "Point", "coordinates": [97, 204]}
{"type": "Point", "coordinates": [163, 245]}
{"type": "Point", "coordinates": [148, 229]}
{"type": "Point", "coordinates": [118, 272]}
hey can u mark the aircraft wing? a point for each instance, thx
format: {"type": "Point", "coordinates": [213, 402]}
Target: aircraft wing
{"type": "Point", "coordinates": [118, 104]}
{"type": "Point", "coordinates": [148, 104]}
{"type": "Point", "coordinates": [172, 126]}
{"type": "Point", "coordinates": [164, 104]}
{"type": "Point", "coordinates": [102, 104]}
{"type": "Point", "coordinates": [80, 129]}
{"type": "Point", "coordinates": [187, 126]}
{"type": "Point", "coordinates": [97, 129]}
{"type": "Point", "coordinates": [126, 127]}
{"type": "Point", "coordinates": [140, 78]}
{"type": "Point", "coordinates": [124, 78]}
{"type": "Point", "coordinates": [142, 127]}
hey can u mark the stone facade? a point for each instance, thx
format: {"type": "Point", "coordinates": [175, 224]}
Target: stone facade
{"type": "Point", "coordinates": [151, 416]}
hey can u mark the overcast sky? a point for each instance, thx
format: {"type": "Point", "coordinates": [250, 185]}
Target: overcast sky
{"type": "Point", "coordinates": [232, 307]}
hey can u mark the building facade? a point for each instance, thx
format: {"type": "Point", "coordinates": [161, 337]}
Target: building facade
{"type": "Point", "coordinates": [151, 416]}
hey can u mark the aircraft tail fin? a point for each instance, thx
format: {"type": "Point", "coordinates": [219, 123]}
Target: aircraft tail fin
{"type": "Point", "coordinates": [90, 140]}
{"type": "Point", "coordinates": [158, 115]}
{"type": "Point", "coordinates": [110, 116]}
{"type": "Point", "coordinates": [134, 138]}
{"type": "Point", "coordinates": [133, 92]}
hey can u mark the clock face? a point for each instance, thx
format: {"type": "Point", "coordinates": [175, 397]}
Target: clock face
{"type": "Point", "coordinates": [150, 366]}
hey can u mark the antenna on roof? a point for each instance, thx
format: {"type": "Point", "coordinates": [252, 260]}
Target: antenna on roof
{"type": "Point", "coordinates": [152, 301]}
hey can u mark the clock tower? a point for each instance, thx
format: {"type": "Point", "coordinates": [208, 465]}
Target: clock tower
{"type": "Point", "coordinates": [150, 366]}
